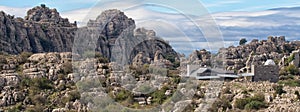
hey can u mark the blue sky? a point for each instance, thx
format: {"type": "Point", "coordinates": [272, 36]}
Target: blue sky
{"type": "Point", "coordinates": [212, 5]}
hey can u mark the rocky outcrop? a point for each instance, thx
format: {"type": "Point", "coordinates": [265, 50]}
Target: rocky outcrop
{"type": "Point", "coordinates": [44, 15]}
{"type": "Point", "coordinates": [41, 77]}
{"type": "Point", "coordinates": [113, 33]}
{"type": "Point", "coordinates": [42, 30]}
{"type": "Point", "coordinates": [201, 57]}
{"type": "Point", "coordinates": [140, 59]}
{"type": "Point", "coordinates": [256, 52]}
{"type": "Point", "coordinates": [117, 40]}
{"type": "Point", "coordinates": [48, 65]}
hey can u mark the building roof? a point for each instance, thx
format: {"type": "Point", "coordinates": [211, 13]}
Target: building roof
{"type": "Point", "coordinates": [218, 73]}
{"type": "Point", "coordinates": [246, 74]}
{"type": "Point", "coordinates": [207, 77]}
{"type": "Point", "coordinates": [228, 76]}
{"type": "Point", "coordinates": [217, 70]}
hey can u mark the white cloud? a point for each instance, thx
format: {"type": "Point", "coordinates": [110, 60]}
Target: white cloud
{"type": "Point", "coordinates": [245, 14]}
{"type": "Point", "coordinates": [19, 12]}
{"type": "Point", "coordinates": [76, 15]}
{"type": "Point", "coordinates": [221, 3]}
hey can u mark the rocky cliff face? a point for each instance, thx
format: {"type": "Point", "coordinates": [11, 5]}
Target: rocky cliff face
{"type": "Point", "coordinates": [42, 30]}
{"type": "Point", "coordinates": [118, 40]}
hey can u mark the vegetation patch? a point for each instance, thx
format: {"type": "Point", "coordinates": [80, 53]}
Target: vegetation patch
{"type": "Point", "coordinates": [255, 102]}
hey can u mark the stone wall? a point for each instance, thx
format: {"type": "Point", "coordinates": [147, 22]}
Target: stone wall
{"type": "Point", "coordinates": [265, 73]}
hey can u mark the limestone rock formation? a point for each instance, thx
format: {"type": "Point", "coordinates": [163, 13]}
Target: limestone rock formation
{"type": "Point", "coordinates": [113, 33]}
{"type": "Point", "coordinates": [202, 57]}
{"type": "Point", "coordinates": [118, 40]}
{"type": "Point", "coordinates": [42, 30]}
{"type": "Point", "coordinates": [140, 59]}
{"type": "Point", "coordinates": [45, 15]}
{"type": "Point", "coordinates": [256, 52]}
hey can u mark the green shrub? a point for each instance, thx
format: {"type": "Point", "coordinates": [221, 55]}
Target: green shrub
{"type": "Point", "coordinates": [122, 95]}
{"type": "Point", "coordinates": [292, 69]}
{"type": "Point", "coordinates": [159, 95]}
{"type": "Point", "coordinates": [283, 72]}
{"type": "Point", "coordinates": [290, 82]}
{"type": "Point", "coordinates": [226, 90]}
{"type": "Point", "coordinates": [222, 102]}
{"type": "Point", "coordinates": [279, 89]}
{"type": "Point", "coordinates": [101, 58]}
{"type": "Point", "coordinates": [290, 58]}
{"type": "Point", "coordinates": [17, 108]}
{"type": "Point", "coordinates": [255, 102]}
{"type": "Point", "coordinates": [241, 103]}
{"type": "Point", "coordinates": [24, 56]}
{"type": "Point", "coordinates": [142, 70]}
{"type": "Point", "coordinates": [176, 64]}
{"type": "Point", "coordinates": [67, 68]}
{"type": "Point", "coordinates": [258, 97]}
{"type": "Point", "coordinates": [176, 80]}
{"type": "Point", "coordinates": [243, 41]}
{"type": "Point", "coordinates": [3, 59]}
{"type": "Point", "coordinates": [289, 70]}
{"type": "Point", "coordinates": [41, 83]}
{"type": "Point", "coordinates": [43, 5]}
{"type": "Point", "coordinates": [170, 57]}
{"type": "Point", "coordinates": [160, 71]}
{"type": "Point", "coordinates": [144, 88]}
{"type": "Point", "coordinates": [36, 108]}
{"type": "Point", "coordinates": [39, 100]}
{"type": "Point", "coordinates": [255, 105]}
{"type": "Point", "coordinates": [25, 82]}
{"type": "Point", "coordinates": [287, 77]}
{"type": "Point", "coordinates": [36, 84]}
{"type": "Point", "coordinates": [87, 84]}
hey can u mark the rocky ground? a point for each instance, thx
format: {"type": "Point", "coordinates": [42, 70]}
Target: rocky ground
{"type": "Point", "coordinates": [52, 82]}
{"type": "Point", "coordinates": [273, 100]}
{"type": "Point", "coordinates": [48, 82]}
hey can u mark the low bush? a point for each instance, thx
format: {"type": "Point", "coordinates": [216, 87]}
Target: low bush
{"type": "Point", "coordinates": [22, 58]}
{"type": "Point", "coordinates": [122, 95]}
{"type": "Point", "coordinates": [3, 59]}
{"type": "Point", "coordinates": [254, 102]}
{"type": "Point", "coordinates": [222, 102]}
{"type": "Point", "coordinates": [290, 82]}
{"type": "Point", "coordinates": [159, 95]}
{"type": "Point", "coordinates": [255, 105]}
{"type": "Point", "coordinates": [289, 70]}
{"type": "Point", "coordinates": [67, 68]}
{"type": "Point", "coordinates": [42, 83]}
